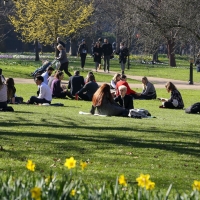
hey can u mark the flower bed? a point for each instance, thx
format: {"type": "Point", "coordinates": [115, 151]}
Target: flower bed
{"type": "Point", "coordinates": [34, 186]}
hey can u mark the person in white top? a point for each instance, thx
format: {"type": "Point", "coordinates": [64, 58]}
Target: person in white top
{"type": "Point", "coordinates": [45, 94]}
{"type": "Point", "coordinates": [47, 74]}
{"type": "Point", "coordinates": [114, 80]}
{"type": "Point", "coordinates": [3, 94]}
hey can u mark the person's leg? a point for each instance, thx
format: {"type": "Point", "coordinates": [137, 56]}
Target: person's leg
{"type": "Point", "coordinates": [83, 57]}
{"type": "Point", "coordinates": [108, 63]}
{"type": "Point", "coordinates": [36, 100]}
{"type": "Point", "coordinates": [65, 68]}
{"type": "Point", "coordinates": [3, 104]}
{"type": "Point", "coordinates": [96, 65]}
{"type": "Point", "coordinates": [122, 67]}
{"type": "Point", "coordinates": [104, 63]}
{"type": "Point", "coordinates": [168, 105]}
{"type": "Point", "coordinates": [84, 97]}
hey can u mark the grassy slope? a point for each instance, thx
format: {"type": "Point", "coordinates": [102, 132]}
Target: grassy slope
{"type": "Point", "coordinates": [167, 147]}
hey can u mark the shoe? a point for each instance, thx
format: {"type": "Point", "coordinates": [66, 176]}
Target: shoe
{"type": "Point", "coordinates": [161, 106]}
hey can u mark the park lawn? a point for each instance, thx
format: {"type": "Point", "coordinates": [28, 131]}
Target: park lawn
{"type": "Point", "coordinates": [166, 147]}
{"type": "Point", "coordinates": [19, 68]}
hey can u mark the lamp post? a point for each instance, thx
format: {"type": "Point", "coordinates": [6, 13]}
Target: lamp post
{"type": "Point", "coordinates": [191, 71]}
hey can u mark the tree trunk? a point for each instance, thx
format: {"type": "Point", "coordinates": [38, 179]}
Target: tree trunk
{"type": "Point", "coordinates": [36, 51]}
{"type": "Point", "coordinates": [73, 47]}
{"type": "Point", "coordinates": [171, 55]}
{"type": "Point", "coordinates": [155, 56]}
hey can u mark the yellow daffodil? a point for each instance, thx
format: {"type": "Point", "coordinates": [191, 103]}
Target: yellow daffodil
{"type": "Point", "coordinates": [73, 192]}
{"type": "Point", "coordinates": [150, 185]}
{"type": "Point", "coordinates": [83, 165]}
{"type": "Point", "coordinates": [196, 185]}
{"type": "Point", "coordinates": [36, 193]}
{"type": "Point", "coordinates": [143, 180]}
{"type": "Point", "coordinates": [122, 180]}
{"type": "Point", "coordinates": [30, 165]}
{"type": "Point", "coordinates": [70, 163]}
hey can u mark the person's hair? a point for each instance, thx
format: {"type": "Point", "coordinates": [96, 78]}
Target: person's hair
{"type": "Point", "coordinates": [122, 43]}
{"type": "Point", "coordinates": [91, 77]}
{"type": "Point", "coordinates": [170, 86]}
{"type": "Point", "coordinates": [115, 77]}
{"type": "Point", "coordinates": [103, 91]}
{"type": "Point", "coordinates": [50, 69]}
{"type": "Point", "coordinates": [58, 74]}
{"type": "Point", "coordinates": [60, 46]}
{"type": "Point", "coordinates": [77, 72]}
{"type": "Point", "coordinates": [100, 40]}
{"type": "Point", "coordinates": [123, 76]}
{"type": "Point", "coordinates": [97, 43]}
{"type": "Point", "coordinates": [146, 81]}
{"type": "Point", "coordinates": [39, 78]}
{"type": "Point", "coordinates": [11, 90]}
{"type": "Point", "coordinates": [122, 87]}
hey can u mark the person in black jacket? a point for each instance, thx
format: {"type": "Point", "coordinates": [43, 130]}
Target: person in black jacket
{"type": "Point", "coordinates": [87, 92]}
{"type": "Point", "coordinates": [125, 101]}
{"type": "Point", "coordinates": [82, 51]}
{"type": "Point", "coordinates": [76, 82]}
{"type": "Point", "coordinates": [107, 51]}
{"type": "Point", "coordinates": [97, 52]}
{"type": "Point", "coordinates": [123, 53]}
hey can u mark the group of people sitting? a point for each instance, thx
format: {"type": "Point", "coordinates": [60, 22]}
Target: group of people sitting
{"type": "Point", "coordinates": [115, 99]}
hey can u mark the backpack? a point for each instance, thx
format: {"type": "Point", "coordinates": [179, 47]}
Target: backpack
{"type": "Point", "coordinates": [193, 109]}
{"type": "Point", "coordinates": [139, 113]}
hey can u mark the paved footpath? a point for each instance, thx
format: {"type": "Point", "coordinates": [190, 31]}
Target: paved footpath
{"type": "Point", "coordinates": [158, 82]}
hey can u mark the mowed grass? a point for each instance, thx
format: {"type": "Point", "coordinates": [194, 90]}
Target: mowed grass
{"type": "Point", "coordinates": [166, 147]}
{"type": "Point", "coordinates": [22, 69]}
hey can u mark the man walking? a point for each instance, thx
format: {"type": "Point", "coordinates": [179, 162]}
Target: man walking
{"type": "Point", "coordinates": [107, 51]}
{"type": "Point", "coordinates": [82, 51]}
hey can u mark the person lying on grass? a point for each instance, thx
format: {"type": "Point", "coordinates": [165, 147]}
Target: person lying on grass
{"type": "Point", "coordinates": [45, 94]}
{"type": "Point", "coordinates": [103, 101]}
{"type": "Point", "coordinates": [175, 101]}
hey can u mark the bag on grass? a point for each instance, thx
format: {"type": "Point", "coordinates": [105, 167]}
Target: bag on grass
{"type": "Point", "coordinates": [139, 113]}
{"type": "Point", "coordinates": [193, 109]}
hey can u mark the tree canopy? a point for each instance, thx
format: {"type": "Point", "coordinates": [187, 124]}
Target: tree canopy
{"type": "Point", "coordinates": [45, 20]}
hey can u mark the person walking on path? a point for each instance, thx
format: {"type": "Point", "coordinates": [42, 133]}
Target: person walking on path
{"type": "Point", "coordinates": [82, 51]}
{"type": "Point", "coordinates": [97, 52]}
{"type": "Point", "coordinates": [123, 53]}
{"type": "Point", "coordinates": [59, 42]}
{"type": "Point", "coordinates": [107, 51]}
{"type": "Point", "coordinates": [62, 57]}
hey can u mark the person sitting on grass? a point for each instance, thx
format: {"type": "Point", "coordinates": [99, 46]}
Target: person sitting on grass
{"type": "Point", "coordinates": [125, 101]}
{"type": "Point", "coordinates": [45, 94]}
{"type": "Point", "coordinates": [114, 81]}
{"type": "Point", "coordinates": [175, 101]}
{"type": "Point", "coordinates": [47, 74]}
{"type": "Point", "coordinates": [86, 79]}
{"type": "Point", "coordinates": [103, 101]}
{"type": "Point", "coordinates": [149, 91]}
{"type": "Point", "coordinates": [88, 90]}
{"type": "Point", "coordinates": [3, 94]}
{"type": "Point", "coordinates": [129, 91]}
{"type": "Point", "coordinates": [58, 90]}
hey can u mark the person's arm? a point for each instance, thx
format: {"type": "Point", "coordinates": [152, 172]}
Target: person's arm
{"type": "Point", "coordinates": [130, 103]}
{"type": "Point", "coordinates": [116, 99]}
{"type": "Point", "coordinates": [92, 111]}
{"type": "Point", "coordinates": [42, 92]}
{"type": "Point", "coordinates": [112, 83]}
{"type": "Point", "coordinates": [148, 88]}
{"type": "Point", "coordinates": [61, 55]}
{"type": "Point", "coordinates": [69, 84]}
{"type": "Point", "coordinates": [129, 89]}
{"type": "Point", "coordinates": [84, 89]}
{"type": "Point", "coordinates": [82, 82]}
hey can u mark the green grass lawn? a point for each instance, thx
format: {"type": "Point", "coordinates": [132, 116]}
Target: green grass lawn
{"type": "Point", "coordinates": [18, 68]}
{"type": "Point", "coordinates": [166, 147]}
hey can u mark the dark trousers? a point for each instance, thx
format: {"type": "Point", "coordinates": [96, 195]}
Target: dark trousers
{"type": "Point", "coordinates": [170, 105]}
{"type": "Point", "coordinates": [106, 63]}
{"type": "Point", "coordinates": [148, 97]}
{"type": "Point", "coordinates": [3, 104]}
{"type": "Point", "coordinates": [64, 94]}
{"type": "Point", "coordinates": [64, 67]}
{"type": "Point", "coordinates": [83, 58]}
{"type": "Point", "coordinates": [84, 97]}
{"type": "Point", "coordinates": [34, 99]}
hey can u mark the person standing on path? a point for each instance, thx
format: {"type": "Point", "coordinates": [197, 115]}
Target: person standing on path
{"type": "Point", "coordinates": [123, 53]}
{"type": "Point", "coordinates": [82, 51]}
{"type": "Point", "coordinates": [97, 52]}
{"type": "Point", "coordinates": [107, 51]}
{"type": "Point", "coordinates": [62, 57]}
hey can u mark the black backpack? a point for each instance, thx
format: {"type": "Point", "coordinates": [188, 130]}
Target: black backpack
{"type": "Point", "coordinates": [193, 109]}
